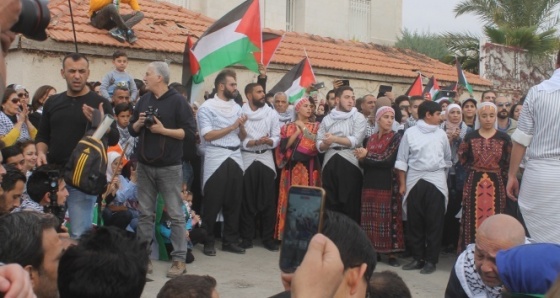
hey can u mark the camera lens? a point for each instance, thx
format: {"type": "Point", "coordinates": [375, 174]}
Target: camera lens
{"type": "Point", "coordinates": [33, 19]}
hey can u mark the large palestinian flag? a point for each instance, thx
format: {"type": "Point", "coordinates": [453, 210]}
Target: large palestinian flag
{"type": "Point", "coordinates": [230, 40]}
{"type": "Point", "coordinates": [296, 81]}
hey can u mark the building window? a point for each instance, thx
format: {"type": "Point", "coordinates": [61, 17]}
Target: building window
{"type": "Point", "coordinates": [360, 20]}
{"type": "Point", "coordinates": [290, 15]}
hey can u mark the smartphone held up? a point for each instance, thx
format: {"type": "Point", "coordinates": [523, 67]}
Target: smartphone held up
{"type": "Point", "coordinates": [304, 219]}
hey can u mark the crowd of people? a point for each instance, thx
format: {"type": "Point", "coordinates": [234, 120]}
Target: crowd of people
{"type": "Point", "coordinates": [402, 175]}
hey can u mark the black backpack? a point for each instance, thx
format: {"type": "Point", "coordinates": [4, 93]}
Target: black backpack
{"type": "Point", "coordinates": [87, 166]}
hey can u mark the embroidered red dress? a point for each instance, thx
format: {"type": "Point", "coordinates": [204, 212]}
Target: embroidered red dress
{"type": "Point", "coordinates": [300, 166]}
{"type": "Point", "coordinates": [381, 202]}
{"type": "Point", "coordinates": [486, 162]}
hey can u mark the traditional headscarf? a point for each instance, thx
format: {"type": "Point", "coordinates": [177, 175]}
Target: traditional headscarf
{"type": "Point", "coordinates": [111, 157]}
{"type": "Point", "coordinates": [297, 105]}
{"type": "Point", "coordinates": [450, 126]}
{"type": "Point", "coordinates": [383, 110]}
{"type": "Point", "coordinates": [481, 107]}
{"type": "Point", "coordinates": [529, 269]}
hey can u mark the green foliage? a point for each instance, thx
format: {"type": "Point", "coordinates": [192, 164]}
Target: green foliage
{"type": "Point", "coordinates": [426, 43]}
{"type": "Point", "coordinates": [525, 24]}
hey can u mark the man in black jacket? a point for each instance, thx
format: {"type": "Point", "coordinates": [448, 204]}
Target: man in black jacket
{"type": "Point", "coordinates": [161, 124]}
{"type": "Point", "coordinates": [66, 118]}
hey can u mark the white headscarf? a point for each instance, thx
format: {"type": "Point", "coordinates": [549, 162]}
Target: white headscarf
{"type": "Point", "coordinates": [111, 157]}
{"type": "Point", "coordinates": [479, 108]}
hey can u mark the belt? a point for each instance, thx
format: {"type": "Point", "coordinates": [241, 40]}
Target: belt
{"type": "Point", "coordinates": [228, 148]}
{"type": "Point", "coordinates": [339, 148]}
{"type": "Point", "coordinates": [256, 152]}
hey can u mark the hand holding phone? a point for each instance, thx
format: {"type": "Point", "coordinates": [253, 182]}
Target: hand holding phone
{"type": "Point", "coordinates": [304, 219]}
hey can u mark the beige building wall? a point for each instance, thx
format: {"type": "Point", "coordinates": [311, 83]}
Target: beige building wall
{"type": "Point", "coordinates": [329, 18]}
{"type": "Point", "coordinates": [386, 21]}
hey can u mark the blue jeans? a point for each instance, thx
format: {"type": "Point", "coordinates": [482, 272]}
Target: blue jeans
{"type": "Point", "coordinates": [80, 210]}
{"type": "Point", "coordinates": [167, 182]}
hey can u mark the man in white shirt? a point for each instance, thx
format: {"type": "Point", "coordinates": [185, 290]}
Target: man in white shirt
{"type": "Point", "coordinates": [341, 131]}
{"type": "Point", "coordinates": [424, 154]}
{"type": "Point", "coordinates": [221, 129]}
{"type": "Point", "coordinates": [538, 135]}
{"type": "Point", "coordinates": [259, 191]}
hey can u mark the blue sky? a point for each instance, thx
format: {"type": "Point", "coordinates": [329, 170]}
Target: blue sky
{"type": "Point", "coordinates": [437, 16]}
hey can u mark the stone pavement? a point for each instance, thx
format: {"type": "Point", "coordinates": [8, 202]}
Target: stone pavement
{"type": "Point", "coordinates": [256, 274]}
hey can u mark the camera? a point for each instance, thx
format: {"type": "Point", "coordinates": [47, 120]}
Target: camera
{"type": "Point", "coordinates": [33, 19]}
{"type": "Point", "coordinates": [53, 208]}
{"type": "Point", "coordinates": [150, 114]}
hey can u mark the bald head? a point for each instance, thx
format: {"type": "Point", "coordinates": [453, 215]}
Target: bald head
{"type": "Point", "coordinates": [502, 230]}
{"type": "Point", "coordinates": [383, 102]}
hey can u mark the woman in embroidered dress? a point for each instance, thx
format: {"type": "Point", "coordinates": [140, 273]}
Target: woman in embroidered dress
{"type": "Point", "coordinates": [456, 131]}
{"type": "Point", "coordinates": [485, 155]}
{"type": "Point", "coordinates": [14, 122]}
{"type": "Point", "coordinates": [381, 202]}
{"type": "Point", "coordinates": [297, 157]}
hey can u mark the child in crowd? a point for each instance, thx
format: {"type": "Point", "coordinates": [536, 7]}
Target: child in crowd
{"type": "Point", "coordinates": [118, 77]}
{"type": "Point", "coordinates": [123, 111]}
{"type": "Point", "coordinates": [422, 161]}
{"type": "Point", "coordinates": [122, 197]}
{"type": "Point", "coordinates": [194, 233]}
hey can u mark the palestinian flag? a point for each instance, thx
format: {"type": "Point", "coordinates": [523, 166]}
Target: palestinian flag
{"type": "Point", "coordinates": [432, 88]}
{"type": "Point", "coordinates": [462, 79]}
{"type": "Point", "coordinates": [270, 43]}
{"type": "Point", "coordinates": [190, 64]}
{"type": "Point", "coordinates": [416, 88]}
{"type": "Point", "coordinates": [230, 40]}
{"type": "Point", "coordinates": [296, 81]}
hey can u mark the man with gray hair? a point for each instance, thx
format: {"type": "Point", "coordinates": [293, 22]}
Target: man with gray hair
{"type": "Point", "coordinates": [161, 124]}
{"type": "Point", "coordinates": [283, 108]}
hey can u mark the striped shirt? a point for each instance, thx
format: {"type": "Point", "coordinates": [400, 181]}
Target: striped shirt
{"type": "Point", "coordinates": [261, 123]}
{"type": "Point", "coordinates": [538, 127]}
{"type": "Point", "coordinates": [353, 128]}
{"type": "Point", "coordinates": [209, 120]}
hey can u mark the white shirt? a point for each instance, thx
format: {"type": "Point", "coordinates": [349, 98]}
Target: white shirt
{"type": "Point", "coordinates": [260, 123]}
{"type": "Point", "coordinates": [424, 155]}
{"type": "Point", "coordinates": [352, 127]}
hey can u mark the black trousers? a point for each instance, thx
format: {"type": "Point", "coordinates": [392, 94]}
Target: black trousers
{"type": "Point", "coordinates": [223, 191]}
{"type": "Point", "coordinates": [258, 199]}
{"type": "Point", "coordinates": [451, 224]}
{"type": "Point", "coordinates": [342, 182]}
{"type": "Point", "coordinates": [426, 211]}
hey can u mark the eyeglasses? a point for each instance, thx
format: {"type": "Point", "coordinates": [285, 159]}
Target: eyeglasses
{"type": "Point", "coordinates": [15, 100]}
{"type": "Point", "coordinates": [21, 95]}
{"type": "Point", "coordinates": [506, 104]}
{"type": "Point", "coordinates": [404, 107]}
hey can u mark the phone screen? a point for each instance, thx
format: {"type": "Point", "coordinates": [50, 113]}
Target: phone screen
{"type": "Point", "coordinates": [345, 82]}
{"type": "Point", "coordinates": [303, 221]}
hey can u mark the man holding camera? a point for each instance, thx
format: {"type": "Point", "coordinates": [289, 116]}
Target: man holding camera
{"type": "Point", "coordinates": [160, 123]}
{"type": "Point", "coordinates": [44, 181]}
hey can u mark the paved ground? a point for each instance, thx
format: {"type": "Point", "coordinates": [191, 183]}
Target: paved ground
{"type": "Point", "coordinates": [256, 274]}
